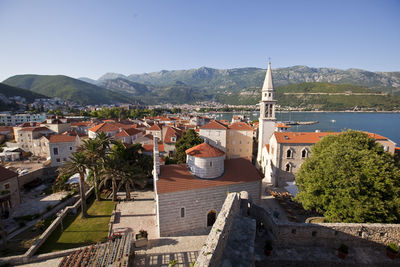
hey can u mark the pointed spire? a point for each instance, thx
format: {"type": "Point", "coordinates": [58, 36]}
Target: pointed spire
{"type": "Point", "coordinates": [268, 84]}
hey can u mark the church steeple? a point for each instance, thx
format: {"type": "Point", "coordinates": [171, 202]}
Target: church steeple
{"type": "Point", "coordinates": [267, 104]}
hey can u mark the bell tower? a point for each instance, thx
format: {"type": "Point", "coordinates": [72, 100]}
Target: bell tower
{"type": "Point", "coordinates": [267, 112]}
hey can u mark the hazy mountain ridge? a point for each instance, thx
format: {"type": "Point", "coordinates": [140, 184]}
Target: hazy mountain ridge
{"type": "Point", "coordinates": [66, 88]}
{"type": "Point", "coordinates": [242, 78]}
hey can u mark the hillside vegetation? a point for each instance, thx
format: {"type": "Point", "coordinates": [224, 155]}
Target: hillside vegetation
{"type": "Point", "coordinates": [10, 91]}
{"type": "Point", "coordinates": [323, 96]}
{"type": "Point", "coordinates": [66, 88]}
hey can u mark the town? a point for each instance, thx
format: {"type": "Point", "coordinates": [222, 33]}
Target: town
{"type": "Point", "coordinates": [174, 189]}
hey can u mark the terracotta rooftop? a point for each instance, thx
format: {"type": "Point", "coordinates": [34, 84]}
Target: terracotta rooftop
{"type": "Point", "coordinates": [240, 126]}
{"type": "Point", "coordinates": [204, 150]}
{"type": "Point", "coordinates": [312, 137]}
{"type": "Point", "coordinates": [172, 132]}
{"type": "Point", "coordinates": [214, 125]}
{"type": "Point", "coordinates": [6, 174]}
{"type": "Point", "coordinates": [6, 129]}
{"type": "Point", "coordinates": [109, 127]}
{"type": "Point", "coordinates": [60, 138]}
{"type": "Point", "coordinates": [281, 125]}
{"type": "Point", "coordinates": [82, 123]}
{"type": "Point", "coordinates": [154, 127]}
{"type": "Point", "coordinates": [128, 132]}
{"type": "Point", "coordinates": [35, 129]}
{"type": "Point", "coordinates": [176, 178]}
{"type": "Point", "coordinates": [150, 147]}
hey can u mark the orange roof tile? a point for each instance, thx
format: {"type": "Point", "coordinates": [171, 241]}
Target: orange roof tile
{"type": "Point", "coordinates": [60, 138]}
{"type": "Point", "coordinates": [128, 132]}
{"type": "Point", "coordinates": [214, 125]}
{"type": "Point", "coordinates": [170, 132]}
{"type": "Point", "coordinates": [312, 137]}
{"type": "Point", "coordinates": [150, 147]}
{"type": "Point", "coordinates": [109, 127]}
{"type": "Point", "coordinates": [35, 129]}
{"type": "Point", "coordinates": [204, 150]}
{"type": "Point", "coordinates": [240, 126]}
{"type": "Point", "coordinates": [155, 127]}
{"type": "Point", "coordinates": [176, 178]}
{"type": "Point", "coordinates": [281, 125]}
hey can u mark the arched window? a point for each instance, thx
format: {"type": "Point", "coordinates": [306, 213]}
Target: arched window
{"type": "Point", "coordinates": [304, 153]}
{"type": "Point", "coordinates": [289, 153]}
{"type": "Point", "coordinates": [288, 167]}
{"type": "Point", "coordinates": [211, 216]}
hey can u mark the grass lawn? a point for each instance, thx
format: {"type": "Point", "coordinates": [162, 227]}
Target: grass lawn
{"type": "Point", "coordinates": [80, 232]}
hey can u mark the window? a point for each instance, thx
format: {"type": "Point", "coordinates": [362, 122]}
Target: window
{"type": "Point", "coordinates": [64, 159]}
{"type": "Point", "coordinates": [233, 142]}
{"type": "Point", "coordinates": [269, 94]}
{"type": "Point", "coordinates": [231, 133]}
{"type": "Point", "coordinates": [58, 160]}
{"type": "Point", "coordinates": [173, 139]}
{"type": "Point", "coordinates": [240, 141]}
{"type": "Point", "coordinates": [55, 150]}
{"type": "Point", "coordinates": [289, 153]}
{"type": "Point", "coordinates": [211, 216]}
{"type": "Point", "coordinates": [304, 153]}
{"type": "Point", "coordinates": [7, 186]}
{"type": "Point", "coordinates": [288, 168]}
{"type": "Point", "coordinates": [70, 148]}
{"type": "Point", "coordinates": [210, 163]}
{"type": "Point", "coordinates": [182, 212]}
{"type": "Point", "coordinates": [217, 133]}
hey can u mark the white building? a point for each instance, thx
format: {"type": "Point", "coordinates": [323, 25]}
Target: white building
{"type": "Point", "coordinates": [61, 148]}
{"type": "Point", "coordinates": [13, 120]}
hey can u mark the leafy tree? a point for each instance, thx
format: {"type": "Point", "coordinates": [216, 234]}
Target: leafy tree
{"type": "Point", "coordinates": [350, 178]}
{"type": "Point", "coordinates": [77, 164]}
{"type": "Point", "coordinates": [188, 140]}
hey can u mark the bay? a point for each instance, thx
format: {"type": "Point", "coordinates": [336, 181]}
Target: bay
{"type": "Point", "coordinates": [385, 124]}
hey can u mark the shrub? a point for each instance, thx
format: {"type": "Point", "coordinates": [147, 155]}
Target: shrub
{"type": "Point", "coordinates": [393, 248]}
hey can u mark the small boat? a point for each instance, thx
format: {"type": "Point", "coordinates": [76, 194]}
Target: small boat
{"type": "Point", "coordinates": [333, 121]}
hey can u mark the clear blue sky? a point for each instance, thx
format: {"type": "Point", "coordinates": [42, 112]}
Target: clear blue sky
{"type": "Point", "coordinates": [90, 38]}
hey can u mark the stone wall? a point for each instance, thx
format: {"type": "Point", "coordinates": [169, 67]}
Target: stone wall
{"type": "Point", "coordinates": [196, 205]}
{"type": "Point", "coordinates": [43, 174]}
{"type": "Point", "coordinates": [215, 137]}
{"type": "Point", "coordinates": [326, 234]}
{"type": "Point", "coordinates": [213, 250]}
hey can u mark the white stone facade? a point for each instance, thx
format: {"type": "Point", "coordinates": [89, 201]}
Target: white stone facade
{"type": "Point", "coordinates": [214, 137]}
{"type": "Point", "coordinates": [206, 168]}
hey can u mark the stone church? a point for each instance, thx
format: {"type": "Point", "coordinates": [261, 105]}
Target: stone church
{"type": "Point", "coordinates": [189, 196]}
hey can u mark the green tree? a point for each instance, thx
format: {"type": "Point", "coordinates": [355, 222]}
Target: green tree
{"type": "Point", "coordinates": [77, 164]}
{"type": "Point", "coordinates": [350, 178]}
{"type": "Point", "coordinates": [96, 151]}
{"type": "Point", "coordinates": [188, 140]}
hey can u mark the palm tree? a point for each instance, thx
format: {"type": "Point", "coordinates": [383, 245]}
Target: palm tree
{"type": "Point", "coordinates": [77, 164]}
{"type": "Point", "coordinates": [127, 166]}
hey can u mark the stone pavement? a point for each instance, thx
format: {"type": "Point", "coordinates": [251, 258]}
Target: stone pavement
{"type": "Point", "coordinates": [139, 214]}
{"type": "Point", "coordinates": [47, 263]}
{"type": "Point", "coordinates": [272, 204]}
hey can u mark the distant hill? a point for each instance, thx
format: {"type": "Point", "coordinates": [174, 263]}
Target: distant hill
{"type": "Point", "coordinates": [323, 96]}
{"type": "Point", "coordinates": [234, 80]}
{"type": "Point", "coordinates": [66, 88]}
{"type": "Point", "coordinates": [9, 91]}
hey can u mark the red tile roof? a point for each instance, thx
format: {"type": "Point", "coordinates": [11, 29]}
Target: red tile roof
{"type": "Point", "coordinates": [128, 132]}
{"type": "Point", "coordinates": [60, 138]}
{"type": "Point", "coordinates": [176, 178]}
{"type": "Point", "coordinates": [6, 129]}
{"type": "Point", "coordinates": [281, 125]}
{"type": "Point", "coordinates": [155, 127]}
{"type": "Point", "coordinates": [109, 127]}
{"type": "Point", "coordinates": [170, 132]}
{"type": "Point", "coordinates": [214, 125]}
{"type": "Point", "coordinates": [240, 126]}
{"type": "Point", "coordinates": [82, 123]}
{"type": "Point", "coordinates": [312, 137]}
{"type": "Point", "coordinates": [397, 151]}
{"type": "Point", "coordinates": [35, 129]}
{"type": "Point", "coordinates": [204, 150]}
{"type": "Point", "coordinates": [6, 174]}
{"type": "Point", "coordinates": [149, 147]}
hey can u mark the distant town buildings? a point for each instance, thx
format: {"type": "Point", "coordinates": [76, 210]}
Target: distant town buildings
{"type": "Point", "coordinates": [15, 119]}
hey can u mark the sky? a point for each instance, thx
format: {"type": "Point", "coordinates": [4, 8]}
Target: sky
{"type": "Point", "coordinates": [90, 38]}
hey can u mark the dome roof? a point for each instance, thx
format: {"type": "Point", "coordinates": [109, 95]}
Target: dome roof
{"type": "Point", "coordinates": [204, 150]}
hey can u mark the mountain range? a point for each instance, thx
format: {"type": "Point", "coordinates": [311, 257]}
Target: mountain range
{"type": "Point", "coordinates": [232, 86]}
